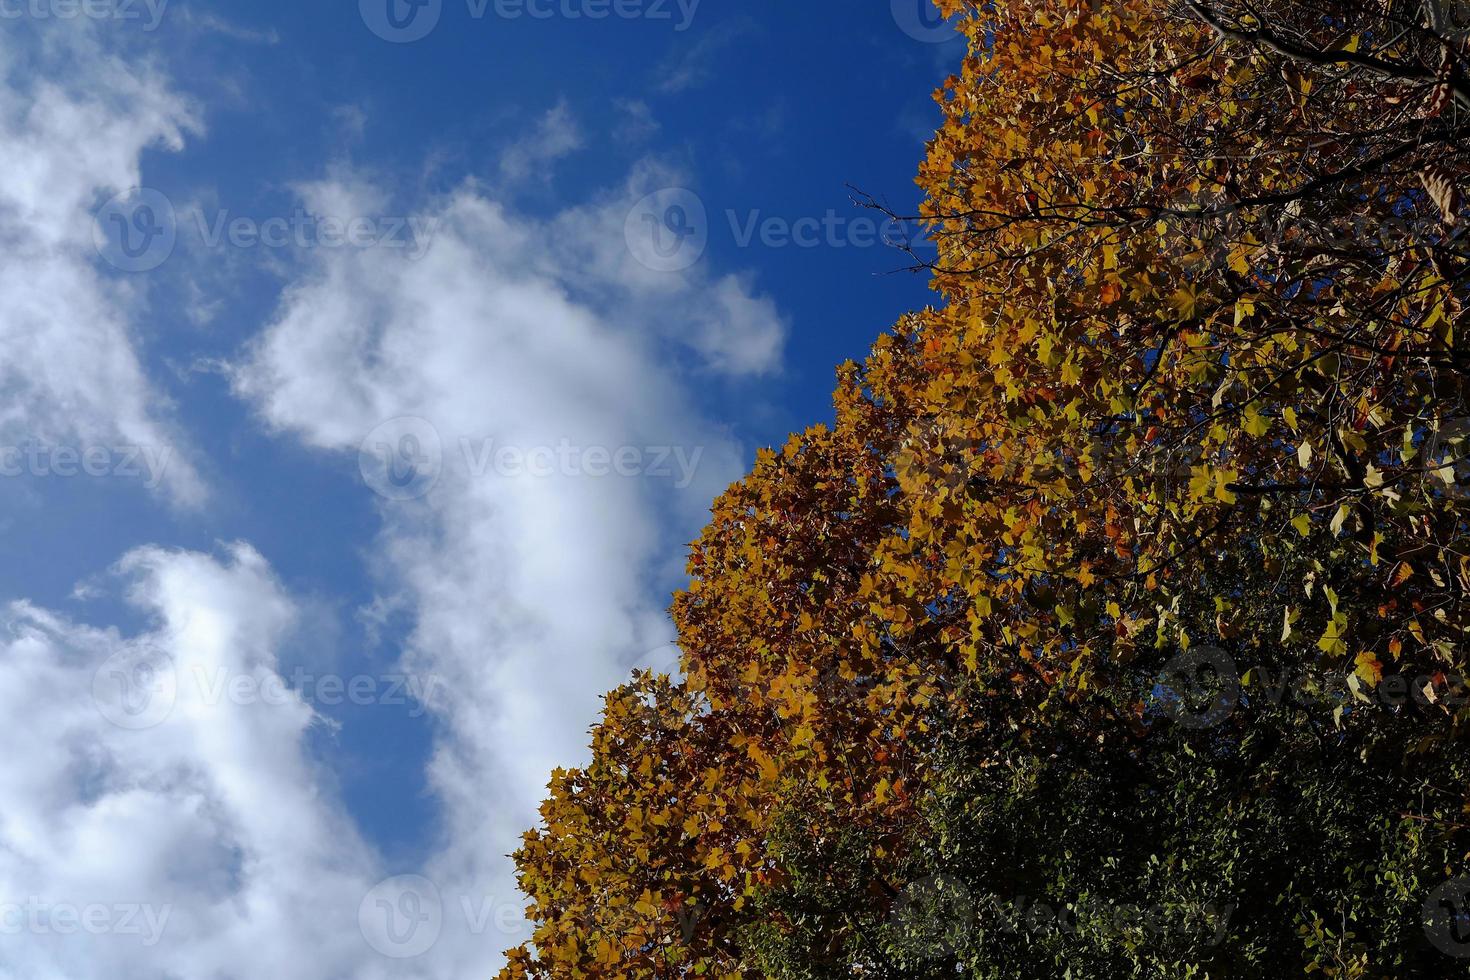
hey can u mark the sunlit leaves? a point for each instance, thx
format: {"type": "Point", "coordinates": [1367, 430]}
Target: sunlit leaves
{"type": "Point", "coordinates": [1196, 378]}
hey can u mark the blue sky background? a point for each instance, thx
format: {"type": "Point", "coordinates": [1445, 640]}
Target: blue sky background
{"type": "Point", "coordinates": [759, 107]}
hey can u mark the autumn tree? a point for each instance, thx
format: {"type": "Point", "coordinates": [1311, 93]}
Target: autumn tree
{"type": "Point", "coordinates": [1194, 392]}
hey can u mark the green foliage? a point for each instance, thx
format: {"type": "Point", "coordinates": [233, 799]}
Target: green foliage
{"type": "Point", "coordinates": [1219, 853]}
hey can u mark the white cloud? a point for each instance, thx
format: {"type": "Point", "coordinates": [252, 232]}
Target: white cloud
{"type": "Point", "coordinates": [691, 66]}
{"type": "Point", "coordinates": [556, 135]}
{"type": "Point", "coordinates": [532, 595]}
{"type": "Point", "coordinates": [636, 122]}
{"type": "Point", "coordinates": [734, 330]}
{"type": "Point", "coordinates": [740, 330]}
{"type": "Point", "coordinates": [74, 122]}
{"type": "Point", "coordinates": [193, 826]}
{"type": "Point", "coordinates": [206, 23]}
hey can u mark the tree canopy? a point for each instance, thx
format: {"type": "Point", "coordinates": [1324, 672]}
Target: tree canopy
{"type": "Point", "coordinates": [1115, 627]}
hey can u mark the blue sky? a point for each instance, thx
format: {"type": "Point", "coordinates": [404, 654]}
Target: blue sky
{"type": "Point", "coordinates": [402, 361]}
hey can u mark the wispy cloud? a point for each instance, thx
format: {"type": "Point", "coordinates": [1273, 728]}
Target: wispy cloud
{"type": "Point", "coordinates": [531, 593]}
{"type": "Point", "coordinates": [75, 120]}
{"type": "Point", "coordinates": [693, 65]}
{"type": "Point", "coordinates": [555, 136]}
{"type": "Point", "coordinates": [635, 121]}
{"type": "Point", "coordinates": [206, 23]}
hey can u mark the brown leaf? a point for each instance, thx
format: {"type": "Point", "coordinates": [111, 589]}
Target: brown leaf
{"type": "Point", "coordinates": [1440, 182]}
{"type": "Point", "coordinates": [1442, 94]}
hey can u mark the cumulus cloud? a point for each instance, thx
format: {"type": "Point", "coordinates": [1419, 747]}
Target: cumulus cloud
{"type": "Point", "coordinates": [75, 120]}
{"type": "Point", "coordinates": [601, 250]}
{"type": "Point", "coordinates": [533, 368]}
{"type": "Point", "coordinates": [547, 460]}
{"type": "Point", "coordinates": [154, 825]}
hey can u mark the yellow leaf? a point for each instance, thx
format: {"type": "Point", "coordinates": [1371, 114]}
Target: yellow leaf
{"type": "Point", "coordinates": [1186, 301]}
{"type": "Point", "coordinates": [1223, 493]}
{"type": "Point", "coordinates": [1243, 308]}
{"type": "Point", "coordinates": [1238, 264]}
{"type": "Point", "coordinates": [1255, 423]}
{"type": "Point", "coordinates": [1369, 669]}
